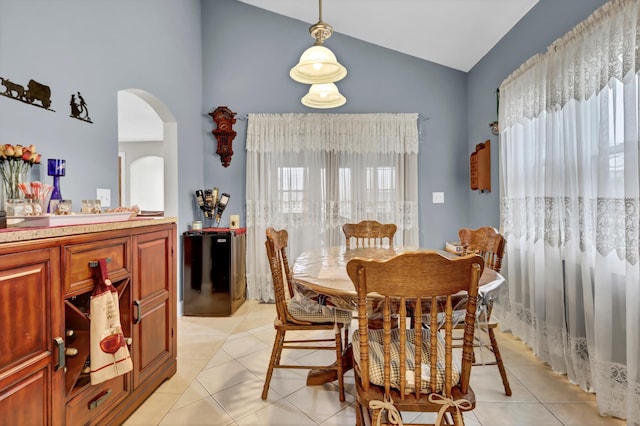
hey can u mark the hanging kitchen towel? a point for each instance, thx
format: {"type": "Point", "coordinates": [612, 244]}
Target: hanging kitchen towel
{"type": "Point", "coordinates": [109, 353]}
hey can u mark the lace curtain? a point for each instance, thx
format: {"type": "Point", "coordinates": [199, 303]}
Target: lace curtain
{"type": "Point", "coordinates": [311, 173]}
{"type": "Point", "coordinates": [570, 178]}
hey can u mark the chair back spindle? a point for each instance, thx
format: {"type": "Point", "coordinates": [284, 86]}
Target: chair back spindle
{"type": "Point", "coordinates": [369, 233]}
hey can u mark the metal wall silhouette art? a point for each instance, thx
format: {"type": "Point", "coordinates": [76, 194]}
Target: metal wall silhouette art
{"type": "Point", "coordinates": [224, 119]}
{"type": "Point", "coordinates": [79, 108]}
{"type": "Point", "coordinates": [33, 92]}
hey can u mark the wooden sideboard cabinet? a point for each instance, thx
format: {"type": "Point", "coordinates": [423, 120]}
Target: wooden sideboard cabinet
{"type": "Point", "coordinates": [45, 290]}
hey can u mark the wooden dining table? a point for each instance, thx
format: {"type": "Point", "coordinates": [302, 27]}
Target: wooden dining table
{"type": "Point", "coordinates": [321, 275]}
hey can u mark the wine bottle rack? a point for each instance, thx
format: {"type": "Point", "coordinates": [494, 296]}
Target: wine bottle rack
{"type": "Point", "coordinates": [77, 318]}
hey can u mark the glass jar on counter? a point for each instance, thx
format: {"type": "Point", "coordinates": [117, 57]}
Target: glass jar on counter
{"type": "Point", "coordinates": [15, 207]}
{"type": "Point", "coordinates": [60, 207]}
{"type": "Point", "coordinates": [91, 206]}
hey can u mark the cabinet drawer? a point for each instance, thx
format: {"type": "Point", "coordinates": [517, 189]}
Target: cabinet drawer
{"type": "Point", "coordinates": [79, 274]}
{"type": "Point", "coordinates": [90, 405]}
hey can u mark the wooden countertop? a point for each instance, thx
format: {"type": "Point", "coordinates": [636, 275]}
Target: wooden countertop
{"type": "Point", "coordinates": [25, 234]}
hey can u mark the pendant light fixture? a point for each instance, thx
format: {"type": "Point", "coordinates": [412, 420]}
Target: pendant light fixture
{"type": "Point", "coordinates": [323, 96]}
{"type": "Point", "coordinates": [318, 64]}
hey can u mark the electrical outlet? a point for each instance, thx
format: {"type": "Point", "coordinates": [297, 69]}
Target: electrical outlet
{"type": "Point", "coordinates": [104, 195]}
{"type": "Point", "coordinates": [438, 197]}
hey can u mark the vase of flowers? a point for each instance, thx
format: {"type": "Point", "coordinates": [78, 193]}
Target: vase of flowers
{"type": "Point", "coordinates": [15, 163]}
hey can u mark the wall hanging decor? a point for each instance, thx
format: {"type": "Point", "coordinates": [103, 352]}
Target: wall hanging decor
{"type": "Point", "coordinates": [224, 119]}
{"type": "Point", "coordinates": [79, 108]}
{"type": "Point", "coordinates": [33, 92]}
{"type": "Point", "coordinates": [480, 167]}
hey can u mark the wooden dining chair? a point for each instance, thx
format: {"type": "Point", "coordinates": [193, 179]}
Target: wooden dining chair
{"type": "Point", "coordinates": [434, 379]}
{"type": "Point", "coordinates": [292, 316]}
{"type": "Point", "coordinates": [369, 233]}
{"type": "Point", "coordinates": [490, 244]}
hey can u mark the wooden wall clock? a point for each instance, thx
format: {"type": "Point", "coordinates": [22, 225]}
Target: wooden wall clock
{"type": "Point", "coordinates": [224, 133]}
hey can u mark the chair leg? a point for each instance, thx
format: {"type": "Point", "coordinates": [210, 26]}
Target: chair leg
{"type": "Point", "coordinates": [346, 336]}
{"type": "Point", "coordinates": [359, 419]}
{"type": "Point", "coordinates": [274, 361]}
{"type": "Point", "coordinates": [339, 364]}
{"type": "Point", "coordinates": [496, 353]}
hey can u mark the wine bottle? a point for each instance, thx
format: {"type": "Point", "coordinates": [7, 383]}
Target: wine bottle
{"type": "Point", "coordinates": [200, 198]}
{"type": "Point", "coordinates": [222, 204]}
{"type": "Point", "coordinates": [71, 351]}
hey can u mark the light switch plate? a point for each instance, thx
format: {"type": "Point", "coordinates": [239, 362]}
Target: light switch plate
{"type": "Point", "coordinates": [104, 195]}
{"type": "Point", "coordinates": [438, 197]}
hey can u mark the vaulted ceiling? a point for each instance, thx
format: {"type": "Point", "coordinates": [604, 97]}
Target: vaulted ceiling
{"type": "Point", "coordinates": [454, 33]}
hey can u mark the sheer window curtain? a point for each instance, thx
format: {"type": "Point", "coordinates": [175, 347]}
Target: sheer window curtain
{"type": "Point", "coordinates": [570, 206]}
{"type": "Point", "coordinates": [311, 173]}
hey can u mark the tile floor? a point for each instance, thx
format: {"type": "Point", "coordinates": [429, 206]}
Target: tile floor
{"type": "Point", "coordinates": [222, 364]}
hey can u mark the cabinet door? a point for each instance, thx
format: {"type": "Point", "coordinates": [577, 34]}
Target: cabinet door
{"type": "Point", "coordinates": [154, 284]}
{"type": "Point", "coordinates": [31, 380]}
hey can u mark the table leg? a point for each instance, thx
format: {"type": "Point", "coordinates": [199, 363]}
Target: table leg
{"type": "Point", "coordinates": [320, 377]}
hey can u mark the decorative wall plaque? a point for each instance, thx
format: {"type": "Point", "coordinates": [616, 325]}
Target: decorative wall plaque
{"type": "Point", "coordinates": [480, 167]}
{"type": "Point", "coordinates": [224, 119]}
{"type": "Point", "coordinates": [33, 92]}
{"type": "Point", "coordinates": [79, 108]}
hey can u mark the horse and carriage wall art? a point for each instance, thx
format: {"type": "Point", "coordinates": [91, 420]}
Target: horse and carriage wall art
{"type": "Point", "coordinates": [39, 95]}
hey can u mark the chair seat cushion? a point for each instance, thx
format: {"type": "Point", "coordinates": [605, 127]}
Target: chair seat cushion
{"type": "Point", "coordinates": [376, 360]}
{"type": "Point", "coordinates": [310, 310]}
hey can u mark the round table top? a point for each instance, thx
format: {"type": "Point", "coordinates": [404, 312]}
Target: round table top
{"type": "Point", "coordinates": [324, 270]}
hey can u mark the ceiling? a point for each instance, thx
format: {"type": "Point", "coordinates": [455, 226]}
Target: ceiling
{"type": "Point", "coordinates": [454, 33]}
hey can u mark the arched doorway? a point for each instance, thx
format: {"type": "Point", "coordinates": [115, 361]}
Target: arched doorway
{"type": "Point", "coordinates": [147, 139]}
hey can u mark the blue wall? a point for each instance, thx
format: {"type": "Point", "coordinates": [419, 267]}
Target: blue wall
{"type": "Point", "coordinates": [247, 54]}
{"type": "Point", "coordinates": [195, 55]}
{"type": "Point", "coordinates": [99, 47]}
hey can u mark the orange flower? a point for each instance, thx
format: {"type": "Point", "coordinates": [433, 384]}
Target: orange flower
{"type": "Point", "coordinates": [9, 150]}
{"type": "Point", "coordinates": [15, 162]}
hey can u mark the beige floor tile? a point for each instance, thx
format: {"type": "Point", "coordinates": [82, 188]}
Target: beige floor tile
{"type": "Point", "coordinates": [514, 413]}
{"type": "Point", "coordinates": [251, 323]}
{"type": "Point", "coordinates": [346, 416]}
{"type": "Point", "coordinates": [548, 386]}
{"type": "Point", "coordinates": [280, 413]}
{"type": "Point", "coordinates": [207, 325]}
{"type": "Point", "coordinates": [486, 382]}
{"type": "Point", "coordinates": [199, 346]}
{"type": "Point", "coordinates": [204, 412]}
{"type": "Point", "coordinates": [220, 357]}
{"type": "Point", "coordinates": [266, 334]}
{"type": "Point", "coordinates": [153, 410]}
{"type": "Point", "coordinates": [266, 310]}
{"type": "Point", "coordinates": [188, 369]}
{"type": "Point", "coordinates": [223, 376]}
{"type": "Point", "coordinates": [319, 402]}
{"type": "Point", "coordinates": [582, 414]}
{"type": "Point", "coordinates": [244, 398]}
{"type": "Point", "coordinates": [469, 418]}
{"type": "Point", "coordinates": [195, 392]}
{"type": "Point", "coordinates": [238, 346]}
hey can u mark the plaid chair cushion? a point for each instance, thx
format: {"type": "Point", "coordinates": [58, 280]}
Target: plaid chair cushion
{"type": "Point", "coordinates": [376, 359]}
{"type": "Point", "coordinates": [309, 310]}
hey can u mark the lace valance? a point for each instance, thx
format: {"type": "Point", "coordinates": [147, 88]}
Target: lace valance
{"type": "Point", "coordinates": [576, 66]}
{"type": "Point", "coordinates": [356, 133]}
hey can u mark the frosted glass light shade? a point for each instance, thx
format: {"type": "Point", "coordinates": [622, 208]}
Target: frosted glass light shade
{"type": "Point", "coordinates": [318, 65]}
{"type": "Point", "coordinates": [323, 96]}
